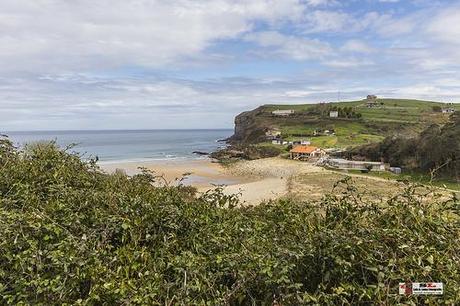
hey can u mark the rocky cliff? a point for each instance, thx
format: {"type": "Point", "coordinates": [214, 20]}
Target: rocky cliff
{"type": "Point", "coordinates": [248, 129]}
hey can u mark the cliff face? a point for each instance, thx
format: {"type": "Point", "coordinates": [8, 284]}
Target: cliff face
{"type": "Point", "coordinates": [247, 128]}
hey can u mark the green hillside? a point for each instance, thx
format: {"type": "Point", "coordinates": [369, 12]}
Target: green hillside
{"type": "Point", "coordinates": [389, 117]}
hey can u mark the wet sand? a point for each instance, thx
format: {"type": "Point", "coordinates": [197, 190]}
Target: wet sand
{"type": "Point", "coordinates": [201, 173]}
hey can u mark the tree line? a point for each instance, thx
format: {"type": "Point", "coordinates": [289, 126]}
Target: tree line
{"type": "Point", "coordinates": [436, 150]}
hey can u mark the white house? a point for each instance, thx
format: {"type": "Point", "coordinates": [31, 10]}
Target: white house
{"type": "Point", "coordinates": [448, 110]}
{"type": "Point", "coordinates": [334, 114]}
{"type": "Point", "coordinates": [283, 112]}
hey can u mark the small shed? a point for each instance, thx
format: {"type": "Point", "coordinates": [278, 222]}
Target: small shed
{"type": "Point", "coordinates": [334, 114]}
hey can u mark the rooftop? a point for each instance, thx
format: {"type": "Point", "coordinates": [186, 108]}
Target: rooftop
{"type": "Point", "coordinates": [303, 149]}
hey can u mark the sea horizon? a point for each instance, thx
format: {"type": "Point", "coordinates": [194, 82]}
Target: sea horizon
{"type": "Point", "coordinates": [122, 146]}
{"type": "Point", "coordinates": [109, 130]}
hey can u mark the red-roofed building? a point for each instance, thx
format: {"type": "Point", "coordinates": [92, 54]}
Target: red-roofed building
{"type": "Point", "coordinates": [306, 152]}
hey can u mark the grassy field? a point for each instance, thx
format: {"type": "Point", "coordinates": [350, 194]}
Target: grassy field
{"type": "Point", "coordinates": [414, 178]}
{"type": "Point", "coordinates": [393, 116]}
{"type": "Point", "coordinates": [318, 185]}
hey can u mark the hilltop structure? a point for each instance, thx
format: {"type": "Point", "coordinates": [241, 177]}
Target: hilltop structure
{"type": "Point", "coordinates": [371, 101]}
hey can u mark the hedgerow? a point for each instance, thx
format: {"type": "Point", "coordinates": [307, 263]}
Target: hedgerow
{"type": "Point", "coordinates": [71, 234]}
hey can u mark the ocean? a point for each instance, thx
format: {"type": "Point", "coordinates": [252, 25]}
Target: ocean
{"type": "Point", "coordinates": [113, 146]}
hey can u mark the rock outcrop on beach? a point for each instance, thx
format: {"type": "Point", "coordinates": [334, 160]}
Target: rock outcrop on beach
{"type": "Point", "coordinates": [245, 152]}
{"type": "Point", "coordinates": [200, 153]}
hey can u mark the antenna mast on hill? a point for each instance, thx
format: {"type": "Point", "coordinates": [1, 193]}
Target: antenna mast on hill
{"type": "Point", "coordinates": [338, 96]}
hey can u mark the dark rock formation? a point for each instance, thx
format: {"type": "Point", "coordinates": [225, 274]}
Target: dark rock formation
{"type": "Point", "coordinates": [248, 152]}
{"type": "Point", "coordinates": [247, 128]}
{"type": "Point", "coordinates": [200, 153]}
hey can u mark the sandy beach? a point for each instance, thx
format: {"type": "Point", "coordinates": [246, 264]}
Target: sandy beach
{"type": "Point", "coordinates": [263, 179]}
{"type": "Point", "coordinates": [201, 173]}
{"type": "Point", "coordinates": [255, 181]}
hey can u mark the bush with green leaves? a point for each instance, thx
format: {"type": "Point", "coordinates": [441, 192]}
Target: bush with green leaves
{"type": "Point", "coordinates": [435, 151]}
{"type": "Point", "coordinates": [71, 234]}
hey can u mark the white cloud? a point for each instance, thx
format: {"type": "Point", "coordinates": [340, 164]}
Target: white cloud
{"type": "Point", "coordinates": [389, 26]}
{"type": "Point", "coordinates": [356, 45]}
{"type": "Point", "coordinates": [292, 47]}
{"type": "Point", "coordinates": [445, 26]}
{"type": "Point", "coordinates": [348, 63]}
{"type": "Point", "coordinates": [186, 63]}
{"type": "Point", "coordinates": [58, 35]}
{"type": "Point", "coordinates": [333, 21]}
{"type": "Point", "coordinates": [321, 2]}
{"type": "Point", "coordinates": [328, 21]}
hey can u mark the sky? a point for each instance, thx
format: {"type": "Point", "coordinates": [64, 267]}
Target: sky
{"type": "Point", "coordinates": [151, 64]}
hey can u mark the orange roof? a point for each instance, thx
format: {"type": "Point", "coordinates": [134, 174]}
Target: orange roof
{"type": "Point", "coordinates": [303, 149]}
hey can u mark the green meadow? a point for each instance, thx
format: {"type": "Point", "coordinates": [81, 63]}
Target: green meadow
{"type": "Point", "coordinates": [391, 117]}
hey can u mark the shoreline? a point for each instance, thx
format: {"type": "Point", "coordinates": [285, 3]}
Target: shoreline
{"type": "Point", "coordinates": [200, 172]}
{"type": "Point", "coordinates": [254, 181]}
{"type": "Point", "coordinates": [151, 160]}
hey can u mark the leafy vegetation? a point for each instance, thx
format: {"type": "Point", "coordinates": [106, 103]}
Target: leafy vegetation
{"type": "Point", "coordinates": [436, 151]}
{"type": "Point", "coordinates": [71, 234]}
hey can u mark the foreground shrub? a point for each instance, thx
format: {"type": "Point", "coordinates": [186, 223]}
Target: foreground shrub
{"type": "Point", "coordinates": [71, 234]}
